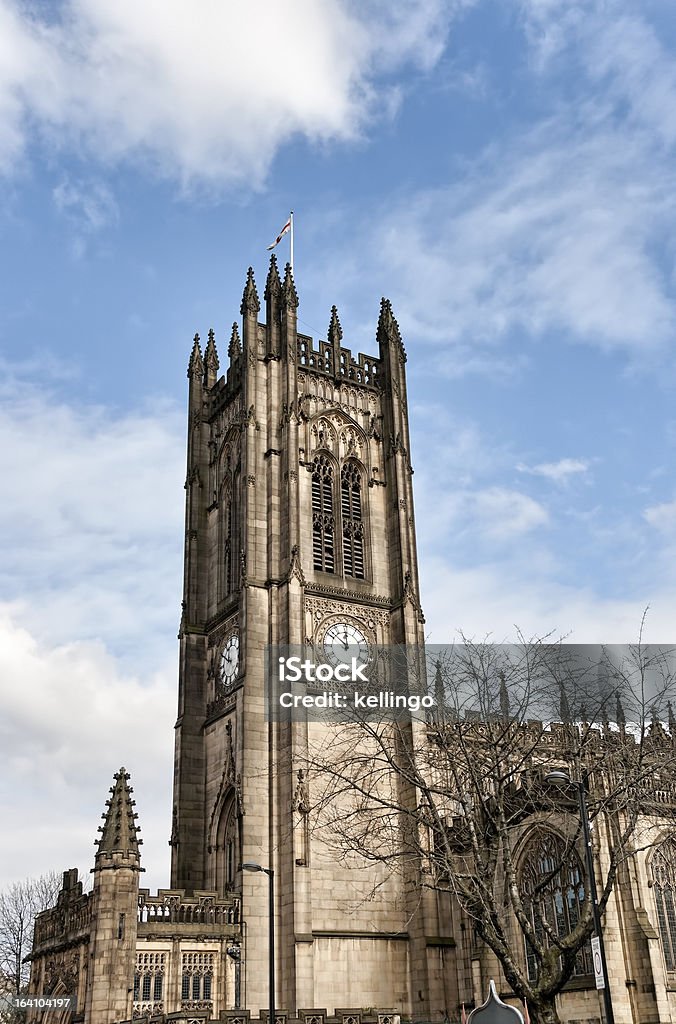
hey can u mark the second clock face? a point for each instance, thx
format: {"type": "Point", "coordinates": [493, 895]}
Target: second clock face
{"type": "Point", "coordinates": [229, 662]}
{"type": "Point", "coordinates": [344, 641]}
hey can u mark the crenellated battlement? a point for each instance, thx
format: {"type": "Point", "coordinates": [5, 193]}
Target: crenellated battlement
{"type": "Point", "coordinates": [69, 921]}
{"type": "Point", "coordinates": [364, 370]}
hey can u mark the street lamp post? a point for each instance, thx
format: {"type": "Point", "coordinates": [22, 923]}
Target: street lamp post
{"type": "Point", "coordinates": [249, 866]}
{"type": "Point", "coordinates": [561, 779]}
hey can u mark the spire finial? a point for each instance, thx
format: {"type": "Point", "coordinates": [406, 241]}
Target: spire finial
{"type": "Point", "coordinates": [119, 831]}
{"type": "Point", "coordinates": [196, 365]}
{"type": "Point", "coordinates": [388, 328]}
{"type": "Point", "coordinates": [235, 346]}
{"type": "Point", "coordinates": [335, 333]}
{"type": "Point", "coordinates": [273, 284]}
{"type": "Point", "coordinates": [334, 337]}
{"type": "Point", "coordinates": [289, 289]}
{"type": "Point", "coordinates": [210, 361]}
{"type": "Point", "coordinates": [250, 301]}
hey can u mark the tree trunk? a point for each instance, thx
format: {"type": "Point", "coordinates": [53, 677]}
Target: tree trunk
{"type": "Point", "coordinates": [544, 1012]}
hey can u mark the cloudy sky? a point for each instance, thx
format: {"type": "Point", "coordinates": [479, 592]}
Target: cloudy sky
{"type": "Point", "coordinates": [503, 170]}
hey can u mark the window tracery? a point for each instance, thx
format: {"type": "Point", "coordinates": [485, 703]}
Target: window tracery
{"type": "Point", "coordinates": [197, 978]}
{"type": "Point", "coordinates": [663, 869]}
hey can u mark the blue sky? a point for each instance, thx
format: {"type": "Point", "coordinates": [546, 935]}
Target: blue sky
{"type": "Point", "coordinates": [502, 171]}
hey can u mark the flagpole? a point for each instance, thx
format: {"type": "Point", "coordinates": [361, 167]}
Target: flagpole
{"type": "Point", "coordinates": [291, 243]}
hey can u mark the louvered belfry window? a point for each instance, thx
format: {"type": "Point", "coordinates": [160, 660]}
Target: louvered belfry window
{"type": "Point", "coordinates": [353, 526]}
{"type": "Point", "coordinates": [323, 516]}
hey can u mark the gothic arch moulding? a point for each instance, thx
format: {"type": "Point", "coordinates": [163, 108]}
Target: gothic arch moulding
{"type": "Point", "coordinates": [339, 434]}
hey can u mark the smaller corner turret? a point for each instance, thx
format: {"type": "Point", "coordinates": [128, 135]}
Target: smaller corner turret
{"type": "Point", "coordinates": [114, 908]}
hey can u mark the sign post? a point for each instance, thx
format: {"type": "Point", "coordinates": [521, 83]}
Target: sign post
{"type": "Point", "coordinates": [598, 962]}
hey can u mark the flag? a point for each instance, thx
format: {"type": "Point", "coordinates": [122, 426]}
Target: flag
{"type": "Point", "coordinates": [526, 1015]}
{"type": "Point", "coordinates": [463, 1015]}
{"type": "Point", "coordinates": [280, 236]}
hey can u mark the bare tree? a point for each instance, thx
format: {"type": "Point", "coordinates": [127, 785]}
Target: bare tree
{"type": "Point", "coordinates": [450, 801]}
{"type": "Point", "coordinates": [20, 902]}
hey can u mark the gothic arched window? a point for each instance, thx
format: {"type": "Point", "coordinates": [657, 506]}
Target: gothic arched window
{"type": "Point", "coordinates": [663, 868]}
{"type": "Point", "coordinates": [226, 846]}
{"type": "Point", "coordinates": [323, 515]}
{"type": "Point", "coordinates": [552, 887]}
{"type": "Point", "coordinates": [353, 527]}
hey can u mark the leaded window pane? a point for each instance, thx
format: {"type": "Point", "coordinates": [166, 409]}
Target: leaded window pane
{"type": "Point", "coordinates": [553, 892]}
{"type": "Point", "coordinates": [664, 878]}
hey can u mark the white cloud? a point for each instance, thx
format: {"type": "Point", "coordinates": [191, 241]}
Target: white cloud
{"type": "Point", "coordinates": [562, 228]}
{"type": "Point", "coordinates": [69, 718]}
{"type": "Point", "coordinates": [560, 238]}
{"type": "Point", "coordinates": [488, 600]}
{"type": "Point", "coordinates": [204, 91]}
{"type": "Point", "coordinates": [500, 513]}
{"type": "Point", "coordinates": [90, 548]}
{"type": "Point", "coordinates": [558, 472]}
{"type": "Point", "coordinates": [91, 519]}
{"type": "Point", "coordinates": [91, 205]}
{"type": "Point", "coordinates": [662, 517]}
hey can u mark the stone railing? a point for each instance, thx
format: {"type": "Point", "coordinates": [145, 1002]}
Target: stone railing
{"type": "Point", "coordinates": [171, 907]}
{"type": "Point", "coordinates": [341, 1016]}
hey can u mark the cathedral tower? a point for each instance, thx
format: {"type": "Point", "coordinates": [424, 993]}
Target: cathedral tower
{"type": "Point", "coordinates": [299, 519]}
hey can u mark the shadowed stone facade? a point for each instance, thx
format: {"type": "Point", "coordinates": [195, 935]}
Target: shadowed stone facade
{"type": "Point", "coordinates": [299, 518]}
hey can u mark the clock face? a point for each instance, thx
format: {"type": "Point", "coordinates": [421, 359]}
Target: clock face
{"type": "Point", "coordinates": [344, 641]}
{"type": "Point", "coordinates": [229, 663]}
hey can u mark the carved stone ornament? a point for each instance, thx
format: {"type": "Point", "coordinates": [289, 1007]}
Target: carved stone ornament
{"type": "Point", "coordinates": [173, 840]}
{"type": "Point", "coordinates": [301, 796]}
{"type": "Point", "coordinates": [295, 568]}
{"type": "Point", "coordinates": [216, 637]}
{"type": "Point", "coordinates": [324, 612]}
{"type": "Point", "coordinates": [352, 595]}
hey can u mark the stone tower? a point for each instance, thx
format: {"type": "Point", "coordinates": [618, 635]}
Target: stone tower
{"type": "Point", "coordinates": [299, 517]}
{"type": "Point", "coordinates": [114, 903]}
